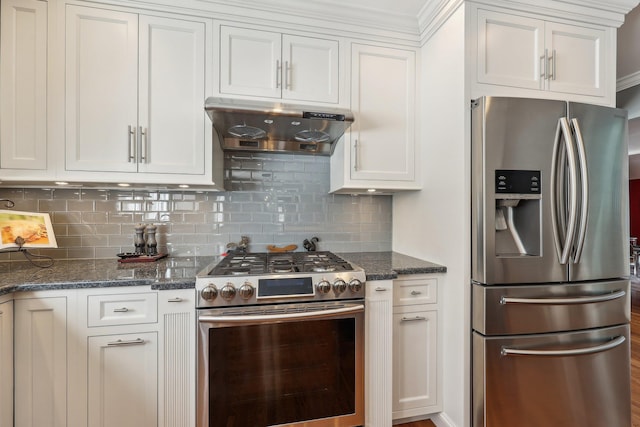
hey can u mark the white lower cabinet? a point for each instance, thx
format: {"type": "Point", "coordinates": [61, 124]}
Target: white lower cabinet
{"type": "Point", "coordinates": [6, 364]}
{"type": "Point", "coordinates": [402, 378]}
{"type": "Point", "coordinates": [378, 353]}
{"type": "Point", "coordinates": [41, 362]}
{"type": "Point", "coordinates": [414, 360]}
{"type": "Point", "coordinates": [122, 380]}
{"type": "Point", "coordinates": [415, 347]}
{"type": "Point", "coordinates": [177, 358]}
{"type": "Point", "coordinates": [101, 357]}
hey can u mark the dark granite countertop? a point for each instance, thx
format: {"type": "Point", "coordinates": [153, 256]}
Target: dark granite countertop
{"type": "Point", "coordinates": [390, 265]}
{"type": "Point", "coordinates": [172, 273]}
{"type": "Point", "coordinates": [167, 273]}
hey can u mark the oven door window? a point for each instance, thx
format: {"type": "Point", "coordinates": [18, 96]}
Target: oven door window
{"type": "Point", "coordinates": [279, 373]}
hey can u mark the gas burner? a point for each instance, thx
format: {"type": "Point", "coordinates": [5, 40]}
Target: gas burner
{"type": "Point", "coordinates": [323, 269]}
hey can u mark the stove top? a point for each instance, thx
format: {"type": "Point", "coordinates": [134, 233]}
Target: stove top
{"type": "Point", "coordinates": [260, 278]}
{"type": "Point", "coordinates": [278, 263]}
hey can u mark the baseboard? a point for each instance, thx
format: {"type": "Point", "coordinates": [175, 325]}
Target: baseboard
{"type": "Point", "coordinates": [442, 420]}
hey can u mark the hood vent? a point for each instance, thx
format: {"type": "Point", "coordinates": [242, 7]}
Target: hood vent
{"type": "Point", "coordinates": [277, 127]}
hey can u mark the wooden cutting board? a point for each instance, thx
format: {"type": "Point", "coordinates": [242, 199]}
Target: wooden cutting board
{"type": "Point", "coordinates": [275, 249]}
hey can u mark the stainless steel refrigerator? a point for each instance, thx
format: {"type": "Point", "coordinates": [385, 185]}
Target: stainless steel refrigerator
{"type": "Point", "coordinates": [550, 264]}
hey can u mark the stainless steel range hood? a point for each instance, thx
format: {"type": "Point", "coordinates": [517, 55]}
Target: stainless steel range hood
{"type": "Point", "coordinates": [277, 127]}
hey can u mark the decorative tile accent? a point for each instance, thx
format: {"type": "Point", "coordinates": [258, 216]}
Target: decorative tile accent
{"type": "Point", "coordinates": [276, 199]}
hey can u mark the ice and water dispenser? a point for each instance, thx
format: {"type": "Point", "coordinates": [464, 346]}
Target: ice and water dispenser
{"type": "Point", "coordinates": [518, 213]}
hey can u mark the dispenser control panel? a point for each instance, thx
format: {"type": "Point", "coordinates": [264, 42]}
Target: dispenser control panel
{"type": "Point", "coordinates": [517, 182]}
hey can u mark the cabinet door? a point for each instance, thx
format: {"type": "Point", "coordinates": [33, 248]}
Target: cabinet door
{"type": "Point", "coordinates": [510, 50]}
{"type": "Point", "coordinates": [122, 380]}
{"type": "Point", "coordinates": [578, 56]}
{"type": "Point", "coordinates": [250, 62]}
{"type": "Point", "coordinates": [310, 70]}
{"type": "Point", "coordinates": [23, 84]}
{"type": "Point", "coordinates": [41, 362]}
{"type": "Point", "coordinates": [6, 364]}
{"type": "Point", "coordinates": [378, 353]}
{"type": "Point", "coordinates": [383, 133]}
{"type": "Point", "coordinates": [177, 355]}
{"type": "Point", "coordinates": [101, 89]}
{"type": "Point", "coordinates": [172, 92]}
{"type": "Point", "coordinates": [414, 361]}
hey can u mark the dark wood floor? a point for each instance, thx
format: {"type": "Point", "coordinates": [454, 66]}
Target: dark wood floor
{"type": "Point", "coordinates": [635, 361]}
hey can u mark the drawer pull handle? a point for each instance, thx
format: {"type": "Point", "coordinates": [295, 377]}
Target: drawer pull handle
{"type": "Point", "coordinates": [177, 299]}
{"type": "Point", "coordinates": [120, 310]}
{"type": "Point", "coordinates": [416, 293]}
{"type": "Point", "coordinates": [126, 342]}
{"type": "Point", "coordinates": [381, 289]}
{"type": "Point", "coordinates": [411, 319]}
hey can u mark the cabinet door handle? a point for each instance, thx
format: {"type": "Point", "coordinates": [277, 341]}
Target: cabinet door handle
{"type": "Point", "coordinates": [287, 75]}
{"type": "Point", "coordinates": [177, 299]}
{"type": "Point", "coordinates": [132, 144]}
{"type": "Point", "coordinates": [125, 342]}
{"type": "Point", "coordinates": [543, 66]}
{"type": "Point", "coordinates": [413, 319]}
{"type": "Point", "coordinates": [381, 289]}
{"type": "Point", "coordinates": [143, 145]}
{"type": "Point", "coordinates": [278, 73]}
{"type": "Point", "coordinates": [546, 63]}
{"type": "Point", "coordinates": [355, 155]}
{"type": "Point", "coordinates": [120, 310]}
{"type": "Point", "coordinates": [415, 293]}
{"type": "Point", "coordinates": [554, 60]}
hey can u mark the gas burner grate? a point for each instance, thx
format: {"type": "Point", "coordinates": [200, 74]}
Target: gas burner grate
{"type": "Point", "coordinates": [269, 263]}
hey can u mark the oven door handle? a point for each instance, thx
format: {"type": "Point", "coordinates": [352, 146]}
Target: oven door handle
{"type": "Point", "coordinates": [282, 317]}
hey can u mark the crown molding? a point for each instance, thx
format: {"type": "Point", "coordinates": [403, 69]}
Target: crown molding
{"type": "Point", "coordinates": [343, 18]}
{"type": "Point", "coordinates": [628, 81]}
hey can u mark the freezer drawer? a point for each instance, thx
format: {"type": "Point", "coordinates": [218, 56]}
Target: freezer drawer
{"type": "Point", "coordinates": [587, 386]}
{"type": "Point", "coordinates": [525, 309]}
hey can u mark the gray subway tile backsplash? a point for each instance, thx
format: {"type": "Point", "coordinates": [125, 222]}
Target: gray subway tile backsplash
{"type": "Point", "coordinates": [276, 199]}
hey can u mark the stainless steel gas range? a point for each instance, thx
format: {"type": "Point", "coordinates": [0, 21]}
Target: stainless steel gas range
{"type": "Point", "coordinates": [281, 341]}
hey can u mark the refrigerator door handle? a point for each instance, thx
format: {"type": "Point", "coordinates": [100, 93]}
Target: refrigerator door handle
{"type": "Point", "coordinates": [584, 180]}
{"type": "Point", "coordinates": [612, 343]}
{"type": "Point", "coordinates": [562, 301]}
{"type": "Point", "coordinates": [563, 133]}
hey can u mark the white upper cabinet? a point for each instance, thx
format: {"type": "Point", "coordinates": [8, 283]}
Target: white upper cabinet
{"type": "Point", "coordinates": [23, 84]}
{"type": "Point", "coordinates": [379, 151]}
{"type": "Point", "coordinates": [577, 57]}
{"type": "Point", "coordinates": [172, 92]}
{"type": "Point", "coordinates": [509, 50]}
{"type": "Point", "coordinates": [135, 88]}
{"type": "Point", "coordinates": [533, 54]}
{"type": "Point", "coordinates": [274, 65]}
{"type": "Point", "coordinates": [101, 90]}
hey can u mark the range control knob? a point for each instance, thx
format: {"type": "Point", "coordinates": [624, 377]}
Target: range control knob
{"type": "Point", "coordinates": [209, 293]}
{"type": "Point", "coordinates": [228, 292]}
{"type": "Point", "coordinates": [355, 285]}
{"type": "Point", "coordinates": [323, 287]}
{"type": "Point", "coordinates": [339, 286]}
{"type": "Point", "coordinates": [246, 291]}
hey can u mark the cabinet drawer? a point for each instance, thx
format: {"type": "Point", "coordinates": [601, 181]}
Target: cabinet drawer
{"type": "Point", "coordinates": [122, 309]}
{"type": "Point", "coordinates": [418, 291]}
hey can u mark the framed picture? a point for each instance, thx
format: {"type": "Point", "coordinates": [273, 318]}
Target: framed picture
{"type": "Point", "coordinates": [33, 228]}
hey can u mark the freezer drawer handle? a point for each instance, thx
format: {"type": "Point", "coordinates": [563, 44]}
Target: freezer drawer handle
{"type": "Point", "coordinates": [574, 300]}
{"type": "Point", "coordinates": [574, 352]}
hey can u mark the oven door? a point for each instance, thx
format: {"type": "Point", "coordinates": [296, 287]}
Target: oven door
{"type": "Point", "coordinates": [286, 364]}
